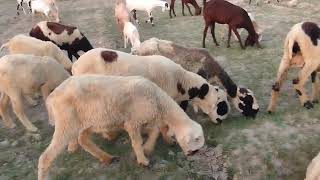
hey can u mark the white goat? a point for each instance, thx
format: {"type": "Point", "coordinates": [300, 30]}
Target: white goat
{"type": "Point", "coordinates": [20, 3]}
{"type": "Point", "coordinates": [131, 32]}
{"type": "Point", "coordinates": [46, 7]}
{"type": "Point", "coordinates": [146, 5]}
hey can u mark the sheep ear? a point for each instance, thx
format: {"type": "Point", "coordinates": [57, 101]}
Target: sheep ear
{"type": "Point", "coordinates": [203, 91]}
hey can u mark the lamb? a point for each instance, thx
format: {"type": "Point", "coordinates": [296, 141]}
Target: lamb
{"type": "Point", "coordinates": [130, 32]}
{"type": "Point", "coordinates": [313, 170]}
{"type": "Point", "coordinates": [223, 12]}
{"type": "Point", "coordinates": [185, 2]}
{"type": "Point", "coordinates": [88, 104]}
{"type": "Point", "coordinates": [23, 75]}
{"type": "Point", "coordinates": [199, 61]}
{"type": "Point", "coordinates": [46, 7]}
{"type": "Point", "coordinates": [181, 85]}
{"type": "Point", "coordinates": [301, 41]}
{"type": "Point", "coordinates": [20, 4]}
{"type": "Point", "coordinates": [21, 44]}
{"type": "Point", "coordinates": [67, 38]}
{"type": "Point", "coordinates": [146, 5]}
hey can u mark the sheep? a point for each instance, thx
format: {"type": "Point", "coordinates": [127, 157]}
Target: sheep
{"type": "Point", "coordinates": [26, 75]}
{"type": "Point", "coordinates": [22, 44]}
{"type": "Point", "coordinates": [223, 12]}
{"type": "Point", "coordinates": [88, 104]}
{"type": "Point", "coordinates": [181, 85]}
{"type": "Point", "coordinates": [313, 170]}
{"type": "Point", "coordinates": [146, 5]}
{"type": "Point", "coordinates": [122, 14]}
{"type": "Point", "coordinates": [301, 41]}
{"type": "Point", "coordinates": [199, 61]}
{"type": "Point", "coordinates": [67, 38]}
{"type": "Point", "coordinates": [131, 32]}
{"type": "Point", "coordinates": [185, 2]}
{"type": "Point", "coordinates": [46, 7]}
{"type": "Point", "coordinates": [20, 4]}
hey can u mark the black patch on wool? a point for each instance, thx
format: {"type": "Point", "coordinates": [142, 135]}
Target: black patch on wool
{"type": "Point", "coordinates": [222, 108]}
{"type": "Point", "coordinates": [180, 89]}
{"type": "Point", "coordinates": [295, 81]}
{"type": "Point", "coordinates": [312, 30]}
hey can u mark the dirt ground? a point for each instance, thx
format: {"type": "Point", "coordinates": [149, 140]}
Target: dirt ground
{"type": "Point", "coordinates": [277, 146]}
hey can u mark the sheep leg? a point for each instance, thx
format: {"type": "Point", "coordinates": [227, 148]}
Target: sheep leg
{"type": "Point", "coordinates": [164, 133]}
{"type": "Point", "coordinates": [149, 145]}
{"type": "Point", "coordinates": [281, 76]}
{"type": "Point", "coordinates": [31, 101]}
{"type": "Point", "coordinates": [172, 8]}
{"type": "Point", "coordinates": [204, 35]}
{"type": "Point", "coordinates": [60, 139]}
{"type": "Point", "coordinates": [299, 83]}
{"type": "Point", "coordinates": [315, 87]}
{"type": "Point", "coordinates": [45, 91]}
{"type": "Point", "coordinates": [189, 9]}
{"type": "Point", "coordinates": [125, 40]}
{"type": "Point", "coordinates": [17, 106]}
{"type": "Point", "coordinates": [150, 18]}
{"type": "Point", "coordinates": [29, 5]}
{"type": "Point", "coordinates": [182, 9]}
{"type": "Point", "coordinates": [76, 55]}
{"type": "Point", "coordinates": [136, 141]}
{"type": "Point", "coordinates": [70, 55]}
{"type": "Point", "coordinates": [93, 149]}
{"type": "Point", "coordinates": [229, 37]}
{"type": "Point", "coordinates": [4, 111]}
{"type": "Point", "coordinates": [18, 7]}
{"type": "Point", "coordinates": [238, 36]}
{"type": "Point", "coordinates": [213, 34]}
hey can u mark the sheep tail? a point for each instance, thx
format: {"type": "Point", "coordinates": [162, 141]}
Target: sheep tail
{"type": "Point", "coordinates": [4, 45]}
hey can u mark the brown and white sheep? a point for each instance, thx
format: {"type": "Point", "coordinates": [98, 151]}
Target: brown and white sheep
{"type": "Point", "coordinates": [24, 75]}
{"type": "Point", "coordinates": [181, 85]}
{"type": "Point", "coordinates": [313, 170]}
{"type": "Point", "coordinates": [302, 49]}
{"type": "Point", "coordinates": [67, 38]}
{"type": "Point", "coordinates": [185, 3]}
{"type": "Point", "coordinates": [88, 104]}
{"type": "Point", "coordinates": [21, 44]}
{"type": "Point", "coordinates": [200, 61]}
{"type": "Point", "coordinates": [224, 12]}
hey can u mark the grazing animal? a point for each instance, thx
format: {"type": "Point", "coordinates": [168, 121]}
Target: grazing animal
{"type": "Point", "coordinates": [223, 12]}
{"type": "Point", "coordinates": [88, 104]}
{"type": "Point", "coordinates": [301, 49]}
{"type": "Point", "coordinates": [20, 4]}
{"type": "Point", "coordinates": [23, 75]}
{"type": "Point", "coordinates": [199, 61]}
{"type": "Point", "coordinates": [181, 85]}
{"type": "Point", "coordinates": [46, 7]}
{"type": "Point", "coordinates": [313, 170]}
{"type": "Point", "coordinates": [67, 38]}
{"type": "Point", "coordinates": [122, 14]}
{"type": "Point", "coordinates": [21, 44]}
{"type": "Point", "coordinates": [185, 2]}
{"type": "Point", "coordinates": [130, 32]}
{"type": "Point", "coordinates": [145, 5]}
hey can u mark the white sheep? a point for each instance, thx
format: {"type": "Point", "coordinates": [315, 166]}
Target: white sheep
{"type": "Point", "coordinates": [199, 60]}
{"type": "Point", "coordinates": [88, 104]}
{"type": "Point", "coordinates": [146, 5]}
{"type": "Point", "coordinates": [20, 4]}
{"type": "Point", "coordinates": [313, 170]}
{"type": "Point", "coordinates": [21, 44]}
{"type": "Point", "coordinates": [23, 75]}
{"type": "Point", "coordinates": [302, 49]}
{"type": "Point", "coordinates": [183, 86]}
{"type": "Point", "coordinates": [130, 32]}
{"type": "Point", "coordinates": [46, 7]}
{"type": "Point", "coordinates": [122, 14]}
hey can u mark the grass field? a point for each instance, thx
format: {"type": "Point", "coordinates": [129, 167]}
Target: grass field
{"type": "Point", "coordinates": [269, 147]}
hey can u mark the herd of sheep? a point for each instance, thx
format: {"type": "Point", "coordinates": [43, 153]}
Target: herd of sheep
{"type": "Point", "coordinates": [106, 91]}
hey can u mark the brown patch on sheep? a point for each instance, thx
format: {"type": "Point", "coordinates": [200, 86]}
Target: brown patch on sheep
{"type": "Point", "coordinates": [181, 89]}
{"type": "Point", "coordinates": [298, 92]}
{"type": "Point", "coordinates": [295, 81]}
{"type": "Point", "coordinates": [59, 28]}
{"type": "Point", "coordinates": [37, 33]}
{"type": "Point", "coordinates": [109, 56]}
{"type": "Point", "coordinates": [276, 87]}
{"type": "Point", "coordinates": [312, 30]}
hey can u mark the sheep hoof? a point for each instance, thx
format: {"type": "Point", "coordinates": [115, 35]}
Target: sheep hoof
{"type": "Point", "coordinates": [269, 112]}
{"type": "Point", "coordinates": [308, 105]}
{"type": "Point", "coordinates": [144, 163]}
